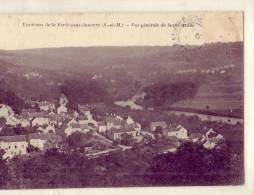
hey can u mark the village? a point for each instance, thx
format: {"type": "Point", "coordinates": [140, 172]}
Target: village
{"type": "Point", "coordinates": [49, 126]}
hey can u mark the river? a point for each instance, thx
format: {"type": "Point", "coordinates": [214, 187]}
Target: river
{"type": "Point", "coordinates": [132, 102]}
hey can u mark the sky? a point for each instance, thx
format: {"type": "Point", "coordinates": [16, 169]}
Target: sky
{"type": "Point", "coordinates": [26, 31]}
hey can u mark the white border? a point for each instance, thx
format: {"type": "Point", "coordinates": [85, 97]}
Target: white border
{"type": "Point", "coordinates": [60, 6]}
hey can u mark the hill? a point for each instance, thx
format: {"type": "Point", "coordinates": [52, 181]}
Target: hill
{"type": "Point", "coordinates": [214, 69]}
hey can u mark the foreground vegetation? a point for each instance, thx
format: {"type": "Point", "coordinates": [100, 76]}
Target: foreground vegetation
{"type": "Point", "coordinates": [192, 164]}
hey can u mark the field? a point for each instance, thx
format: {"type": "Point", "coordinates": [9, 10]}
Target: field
{"type": "Point", "coordinates": [226, 99]}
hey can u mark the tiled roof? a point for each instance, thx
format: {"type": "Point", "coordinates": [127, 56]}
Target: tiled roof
{"type": "Point", "coordinates": [15, 138]}
{"type": "Point", "coordinates": [43, 136]}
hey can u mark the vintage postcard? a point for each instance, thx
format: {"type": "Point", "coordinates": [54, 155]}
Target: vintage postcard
{"type": "Point", "coordinates": [91, 100]}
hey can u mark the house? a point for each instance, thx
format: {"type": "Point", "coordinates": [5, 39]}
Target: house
{"type": "Point", "coordinates": [84, 119]}
{"type": "Point", "coordinates": [83, 109]}
{"type": "Point", "coordinates": [13, 145]}
{"type": "Point", "coordinates": [24, 122]}
{"type": "Point", "coordinates": [5, 111]}
{"type": "Point", "coordinates": [102, 126]}
{"type": "Point", "coordinates": [76, 127]}
{"type": "Point", "coordinates": [180, 132]}
{"type": "Point", "coordinates": [12, 121]}
{"type": "Point", "coordinates": [210, 133]}
{"type": "Point", "coordinates": [210, 143]}
{"type": "Point", "coordinates": [57, 119]}
{"type": "Point", "coordinates": [129, 120]}
{"type": "Point", "coordinates": [40, 118]}
{"type": "Point", "coordinates": [46, 129]}
{"type": "Point", "coordinates": [116, 134]}
{"type": "Point", "coordinates": [44, 140]}
{"type": "Point", "coordinates": [63, 100]}
{"type": "Point", "coordinates": [113, 123]}
{"type": "Point", "coordinates": [61, 109]}
{"type": "Point", "coordinates": [212, 138]}
{"type": "Point", "coordinates": [136, 126]}
{"type": "Point", "coordinates": [156, 124]}
{"type": "Point", "coordinates": [46, 106]}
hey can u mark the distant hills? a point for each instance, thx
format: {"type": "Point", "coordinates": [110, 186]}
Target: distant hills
{"type": "Point", "coordinates": [174, 57]}
{"type": "Point", "coordinates": [122, 71]}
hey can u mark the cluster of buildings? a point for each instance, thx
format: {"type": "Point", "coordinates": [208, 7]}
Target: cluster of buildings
{"type": "Point", "coordinates": [178, 133]}
{"type": "Point", "coordinates": [45, 125]}
{"type": "Point", "coordinates": [49, 122]}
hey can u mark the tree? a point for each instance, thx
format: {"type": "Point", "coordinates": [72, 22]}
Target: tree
{"type": "Point", "coordinates": [3, 170]}
{"type": "Point", "coordinates": [126, 139]}
{"type": "Point", "coordinates": [37, 107]}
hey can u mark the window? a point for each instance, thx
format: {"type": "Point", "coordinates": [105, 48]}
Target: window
{"type": "Point", "coordinates": [15, 146]}
{"type": "Point", "coordinates": [23, 146]}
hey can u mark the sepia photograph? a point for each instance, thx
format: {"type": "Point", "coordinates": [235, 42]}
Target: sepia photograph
{"type": "Point", "coordinates": [98, 100]}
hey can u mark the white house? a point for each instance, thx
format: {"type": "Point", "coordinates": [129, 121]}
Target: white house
{"type": "Point", "coordinates": [129, 120]}
{"type": "Point", "coordinates": [40, 139]}
{"type": "Point", "coordinates": [113, 123]}
{"type": "Point", "coordinates": [12, 121]}
{"type": "Point", "coordinates": [212, 138]}
{"type": "Point", "coordinates": [63, 100]}
{"type": "Point", "coordinates": [13, 145]}
{"type": "Point", "coordinates": [47, 129]}
{"type": "Point", "coordinates": [102, 127]}
{"type": "Point", "coordinates": [116, 134]}
{"type": "Point", "coordinates": [46, 106]}
{"type": "Point", "coordinates": [76, 127]}
{"type": "Point", "coordinates": [180, 132]}
{"type": "Point", "coordinates": [5, 111]}
{"type": "Point", "coordinates": [210, 144]}
{"type": "Point", "coordinates": [24, 122]}
{"type": "Point", "coordinates": [40, 120]}
{"type": "Point", "coordinates": [61, 109]}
